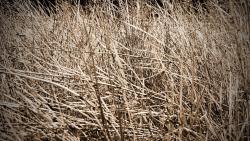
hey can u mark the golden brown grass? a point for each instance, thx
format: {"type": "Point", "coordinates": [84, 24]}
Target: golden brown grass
{"type": "Point", "coordinates": [125, 75]}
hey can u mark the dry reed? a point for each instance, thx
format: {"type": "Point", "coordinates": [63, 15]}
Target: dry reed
{"type": "Point", "coordinates": [120, 74]}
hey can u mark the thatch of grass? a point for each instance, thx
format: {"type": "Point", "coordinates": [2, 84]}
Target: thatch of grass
{"type": "Point", "coordinates": [133, 73]}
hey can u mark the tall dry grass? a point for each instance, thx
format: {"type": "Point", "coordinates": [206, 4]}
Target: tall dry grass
{"type": "Point", "coordinates": [134, 73]}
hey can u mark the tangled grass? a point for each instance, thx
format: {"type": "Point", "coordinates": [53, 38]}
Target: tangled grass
{"type": "Point", "coordinates": [122, 74]}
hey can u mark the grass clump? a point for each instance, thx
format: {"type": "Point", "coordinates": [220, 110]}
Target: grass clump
{"type": "Point", "coordinates": [137, 72]}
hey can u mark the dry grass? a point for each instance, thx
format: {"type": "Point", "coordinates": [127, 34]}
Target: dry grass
{"type": "Point", "coordinates": [125, 75]}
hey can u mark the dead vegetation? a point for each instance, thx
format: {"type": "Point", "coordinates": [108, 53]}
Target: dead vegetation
{"type": "Point", "coordinates": [77, 75]}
